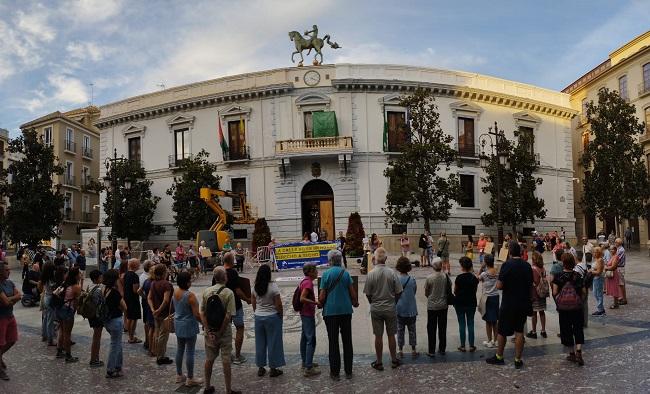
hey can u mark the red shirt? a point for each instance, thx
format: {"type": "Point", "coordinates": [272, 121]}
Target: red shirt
{"type": "Point", "coordinates": [308, 309]}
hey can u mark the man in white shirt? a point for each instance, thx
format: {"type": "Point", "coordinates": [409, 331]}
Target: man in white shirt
{"type": "Point", "coordinates": [587, 247]}
{"type": "Point", "coordinates": [313, 236]}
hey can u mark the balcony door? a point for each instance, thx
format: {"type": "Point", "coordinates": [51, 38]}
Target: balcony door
{"type": "Point", "coordinates": [237, 140]}
{"type": "Point", "coordinates": [317, 200]}
{"type": "Point", "coordinates": [466, 134]}
{"type": "Point", "coordinates": [396, 134]}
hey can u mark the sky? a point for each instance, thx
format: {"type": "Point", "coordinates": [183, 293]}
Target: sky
{"type": "Point", "coordinates": [61, 55]}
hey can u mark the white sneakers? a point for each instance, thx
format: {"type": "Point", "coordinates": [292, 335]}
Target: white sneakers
{"type": "Point", "coordinates": [489, 344]}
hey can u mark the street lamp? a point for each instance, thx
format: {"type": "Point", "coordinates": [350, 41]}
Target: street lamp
{"type": "Point", "coordinates": [496, 149]}
{"type": "Point", "coordinates": [111, 182]}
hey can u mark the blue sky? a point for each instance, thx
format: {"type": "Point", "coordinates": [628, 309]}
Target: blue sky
{"type": "Point", "coordinates": [50, 51]}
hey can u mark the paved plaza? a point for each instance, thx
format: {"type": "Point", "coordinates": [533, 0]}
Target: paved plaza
{"type": "Point", "coordinates": [617, 354]}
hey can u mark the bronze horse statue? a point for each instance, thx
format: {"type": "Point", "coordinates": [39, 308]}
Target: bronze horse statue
{"type": "Point", "coordinates": [314, 43]}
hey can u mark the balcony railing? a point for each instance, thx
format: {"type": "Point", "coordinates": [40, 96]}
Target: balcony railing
{"type": "Point", "coordinates": [89, 217]}
{"type": "Point", "coordinates": [70, 146]}
{"type": "Point", "coordinates": [177, 160]}
{"type": "Point", "coordinates": [314, 145]}
{"type": "Point", "coordinates": [86, 181]}
{"type": "Point", "coordinates": [467, 150]}
{"type": "Point", "coordinates": [644, 138]}
{"type": "Point", "coordinates": [644, 88]}
{"type": "Point", "coordinates": [86, 152]}
{"type": "Point", "coordinates": [68, 180]}
{"type": "Point", "coordinates": [243, 153]}
{"type": "Point", "coordinates": [68, 214]}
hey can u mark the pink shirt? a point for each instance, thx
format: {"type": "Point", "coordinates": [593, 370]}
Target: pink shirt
{"type": "Point", "coordinates": [308, 309]}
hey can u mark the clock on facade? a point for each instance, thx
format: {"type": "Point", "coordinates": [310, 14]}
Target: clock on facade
{"type": "Point", "coordinates": [311, 78]}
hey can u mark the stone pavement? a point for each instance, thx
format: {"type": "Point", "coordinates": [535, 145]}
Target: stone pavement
{"type": "Point", "coordinates": [617, 354]}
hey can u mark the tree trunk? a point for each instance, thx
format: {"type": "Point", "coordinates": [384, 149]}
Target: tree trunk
{"type": "Point", "coordinates": [427, 224]}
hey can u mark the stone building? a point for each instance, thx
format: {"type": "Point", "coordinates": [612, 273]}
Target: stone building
{"type": "Point", "coordinates": [626, 70]}
{"type": "Point", "coordinates": [306, 143]}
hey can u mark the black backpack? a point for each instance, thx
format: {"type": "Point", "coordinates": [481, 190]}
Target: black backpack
{"type": "Point", "coordinates": [295, 301]}
{"type": "Point", "coordinates": [215, 311]}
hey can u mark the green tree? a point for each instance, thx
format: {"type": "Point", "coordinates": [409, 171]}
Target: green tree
{"type": "Point", "coordinates": [190, 212]}
{"type": "Point", "coordinates": [616, 180]}
{"type": "Point", "coordinates": [135, 205]}
{"type": "Point", "coordinates": [36, 204]}
{"type": "Point", "coordinates": [261, 234]}
{"type": "Point", "coordinates": [417, 189]}
{"type": "Point", "coordinates": [354, 236]}
{"type": "Point", "coordinates": [518, 184]}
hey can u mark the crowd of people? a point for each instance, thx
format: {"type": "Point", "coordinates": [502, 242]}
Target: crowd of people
{"type": "Point", "coordinates": [118, 297]}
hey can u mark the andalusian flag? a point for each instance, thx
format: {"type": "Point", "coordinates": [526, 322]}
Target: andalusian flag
{"type": "Point", "coordinates": [222, 140]}
{"type": "Point", "coordinates": [385, 133]}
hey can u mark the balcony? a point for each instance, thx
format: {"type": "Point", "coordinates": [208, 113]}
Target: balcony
{"type": "Point", "coordinates": [322, 146]}
{"type": "Point", "coordinates": [467, 151]}
{"type": "Point", "coordinates": [68, 214]}
{"type": "Point", "coordinates": [86, 181]}
{"type": "Point", "coordinates": [69, 180]}
{"type": "Point", "coordinates": [89, 217]}
{"type": "Point", "coordinates": [70, 146]}
{"type": "Point", "coordinates": [644, 138]}
{"type": "Point", "coordinates": [644, 88]}
{"type": "Point", "coordinates": [86, 152]}
{"type": "Point", "coordinates": [176, 161]}
{"type": "Point", "coordinates": [242, 154]}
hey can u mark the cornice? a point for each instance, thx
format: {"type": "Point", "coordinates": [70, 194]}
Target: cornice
{"type": "Point", "coordinates": [208, 101]}
{"type": "Point", "coordinates": [461, 92]}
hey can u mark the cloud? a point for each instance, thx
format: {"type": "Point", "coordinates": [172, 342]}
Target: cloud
{"type": "Point", "coordinates": [87, 51]}
{"type": "Point", "coordinates": [36, 24]}
{"type": "Point", "coordinates": [68, 90]}
{"type": "Point", "coordinates": [92, 11]}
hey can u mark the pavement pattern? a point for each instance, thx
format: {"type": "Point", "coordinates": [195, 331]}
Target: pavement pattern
{"type": "Point", "coordinates": [617, 354]}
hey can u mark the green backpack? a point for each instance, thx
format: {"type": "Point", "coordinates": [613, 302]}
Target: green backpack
{"type": "Point", "coordinates": [92, 305]}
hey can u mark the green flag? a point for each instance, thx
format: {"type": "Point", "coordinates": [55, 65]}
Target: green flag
{"type": "Point", "coordinates": [385, 133]}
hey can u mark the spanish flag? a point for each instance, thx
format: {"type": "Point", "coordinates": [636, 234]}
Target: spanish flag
{"type": "Point", "coordinates": [222, 140]}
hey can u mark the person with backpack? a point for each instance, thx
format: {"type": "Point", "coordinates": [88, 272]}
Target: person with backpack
{"type": "Point", "coordinates": [95, 295]}
{"type": "Point", "coordinates": [45, 287]}
{"type": "Point", "coordinates": [267, 305]}
{"type": "Point", "coordinates": [443, 252]}
{"type": "Point", "coordinates": [217, 308]}
{"type": "Point", "coordinates": [569, 292]}
{"type": "Point", "coordinates": [114, 324]}
{"type": "Point", "coordinates": [65, 313]}
{"type": "Point", "coordinates": [539, 292]}
{"type": "Point", "coordinates": [186, 324]}
{"type": "Point", "coordinates": [491, 296]}
{"type": "Point", "coordinates": [304, 301]}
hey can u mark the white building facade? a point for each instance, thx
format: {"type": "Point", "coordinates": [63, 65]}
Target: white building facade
{"type": "Point", "coordinates": [303, 169]}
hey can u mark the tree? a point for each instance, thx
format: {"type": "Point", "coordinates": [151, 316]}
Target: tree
{"type": "Point", "coordinates": [518, 184]}
{"type": "Point", "coordinates": [135, 206]}
{"type": "Point", "coordinates": [417, 190]}
{"type": "Point", "coordinates": [190, 212]}
{"type": "Point", "coordinates": [36, 204]}
{"type": "Point", "coordinates": [354, 235]}
{"type": "Point", "coordinates": [261, 234]}
{"type": "Point", "coordinates": [616, 181]}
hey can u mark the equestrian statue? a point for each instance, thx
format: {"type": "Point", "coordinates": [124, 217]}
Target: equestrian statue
{"type": "Point", "coordinates": [309, 43]}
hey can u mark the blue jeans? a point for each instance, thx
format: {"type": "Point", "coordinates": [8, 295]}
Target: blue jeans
{"type": "Point", "coordinates": [49, 314]}
{"type": "Point", "coordinates": [185, 345]}
{"type": "Point", "coordinates": [115, 328]}
{"type": "Point", "coordinates": [598, 284]}
{"type": "Point", "coordinates": [466, 319]}
{"type": "Point", "coordinates": [308, 340]}
{"type": "Point", "coordinates": [102, 266]}
{"type": "Point", "coordinates": [268, 341]}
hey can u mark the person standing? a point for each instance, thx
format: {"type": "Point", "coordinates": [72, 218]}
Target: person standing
{"type": "Point", "coordinates": [341, 247]}
{"type": "Point", "coordinates": [628, 237]}
{"type": "Point", "coordinates": [308, 319]}
{"type": "Point", "coordinates": [469, 248]}
{"type": "Point", "coordinates": [115, 306]}
{"type": "Point", "coordinates": [186, 324]}
{"type": "Point", "coordinates": [95, 292]}
{"type": "Point", "coordinates": [491, 293]}
{"type": "Point", "coordinates": [383, 289]}
{"type": "Point", "coordinates": [405, 245]}
{"type": "Point", "coordinates": [233, 283]}
{"type": "Point", "coordinates": [443, 252]}
{"type": "Point", "coordinates": [180, 256]}
{"type": "Point", "coordinates": [267, 306]}
{"type": "Point", "coordinates": [46, 286]}
{"type": "Point", "coordinates": [192, 260]}
{"type": "Point", "coordinates": [240, 257]}
{"type": "Point", "coordinates": [81, 264]}
{"type": "Point", "coordinates": [465, 293]}
{"type": "Point", "coordinates": [204, 254]}
{"type": "Point", "coordinates": [407, 309]}
{"type": "Point", "coordinates": [65, 314]}
{"type": "Point", "coordinates": [337, 297]}
{"type": "Point", "coordinates": [159, 299]}
{"type": "Point", "coordinates": [621, 257]}
{"type": "Point", "coordinates": [569, 291]}
{"type": "Point", "coordinates": [422, 244]}
{"type": "Point", "coordinates": [515, 281]}
{"type": "Point", "coordinates": [436, 289]}
{"type": "Point", "coordinates": [539, 302]}
{"type": "Point", "coordinates": [9, 296]}
{"type": "Point", "coordinates": [587, 248]}
{"type": "Point", "coordinates": [218, 339]}
{"type": "Point", "coordinates": [313, 237]}
{"type": "Point", "coordinates": [598, 270]}
{"type": "Point", "coordinates": [612, 278]}
{"type": "Point", "coordinates": [132, 299]}
{"type": "Point", "coordinates": [480, 244]}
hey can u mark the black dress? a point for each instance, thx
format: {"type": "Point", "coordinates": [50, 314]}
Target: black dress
{"type": "Point", "coordinates": [133, 311]}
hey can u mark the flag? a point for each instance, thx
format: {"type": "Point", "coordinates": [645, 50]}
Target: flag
{"type": "Point", "coordinates": [385, 133]}
{"type": "Point", "coordinates": [222, 140]}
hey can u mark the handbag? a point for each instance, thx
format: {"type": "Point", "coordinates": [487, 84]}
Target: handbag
{"type": "Point", "coordinates": [169, 320]}
{"type": "Point", "coordinates": [439, 254]}
{"type": "Point", "coordinates": [332, 286]}
{"type": "Point", "coordinates": [609, 274]}
{"type": "Point", "coordinates": [451, 299]}
{"type": "Point", "coordinates": [482, 308]}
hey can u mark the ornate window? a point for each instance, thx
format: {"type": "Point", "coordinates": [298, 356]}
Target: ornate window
{"type": "Point", "coordinates": [467, 115]}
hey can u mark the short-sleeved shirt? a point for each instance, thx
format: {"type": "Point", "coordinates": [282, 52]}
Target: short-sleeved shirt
{"type": "Point", "coordinates": [265, 304]}
{"type": "Point", "coordinates": [81, 262]}
{"type": "Point", "coordinates": [130, 279]}
{"type": "Point", "coordinates": [382, 285]}
{"type": "Point", "coordinates": [489, 283]}
{"type": "Point", "coordinates": [158, 290]}
{"type": "Point", "coordinates": [226, 295]}
{"type": "Point", "coordinates": [620, 253]}
{"type": "Point", "coordinates": [436, 287]}
{"type": "Point", "coordinates": [407, 306]}
{"type": "Point", "coordinates": [143, 276]}
{"type": "Point", "coordinates": [466, 284]}
{"type": "Point", "coordinates": [233, 284]}
{"type": "Point", "coordinates": [113, 299]}
{"type": "Point", "coordinates": [516, 276]}
{"type": "Point", "coordinates": [564, 277]}
{"type": "Point", "coordinates": [556, 268]}
{"type": "Point", "coordinates": [338, 298]}
{"type": "Point", "coordinates": [7, 287]}
{"type": "Point", "coordinates": [308, 309]}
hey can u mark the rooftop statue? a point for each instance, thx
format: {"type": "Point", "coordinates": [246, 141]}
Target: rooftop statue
{"type": "Point", "coordinates": [310, 42]}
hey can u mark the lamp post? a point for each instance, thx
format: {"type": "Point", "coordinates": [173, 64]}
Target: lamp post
{"type": "Point", "coordinates": [112, 182]}
{"type": "Point", "coordinates": [496, 150]}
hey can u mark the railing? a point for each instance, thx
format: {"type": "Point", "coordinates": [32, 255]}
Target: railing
{"type": "Point", "coordinates": [467, 150]}
{"type": "Point", "coordinates": [68, 180]}
{"type": "Point", "coordinates": [87, 152]}
{"type": "Point", "coordinates": [644, 88]}
{"type": "Point", "coordinates": [177, 160]}
{"type": "Point", "coordinates": [86, 181]}
{"type": "Point", "coordinates": [68, 214]}
{"type": "Point", "coordinates": [244, 153]}
{"type": "Point", "coordinates": [314, 145]}
{"type": "Point", "coordinates": [582, 119]}
{"type": "Point", "coordinates": [645, 137]}
{"type": "Point", "coordinates": [89, 217]}
{"type": "Point", "coordinates": [70, 146]}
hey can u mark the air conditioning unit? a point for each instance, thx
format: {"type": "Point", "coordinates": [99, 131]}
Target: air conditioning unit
{"type": "Point", "coordinates": [537, 159]}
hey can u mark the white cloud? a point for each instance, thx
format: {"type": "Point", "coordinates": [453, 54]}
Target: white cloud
{"type": "Point", "coordinates": [68, 90]}
{"type": "Point", "coordinates": [87, 51]}
{"type": "Point", "coordinates": [36, 24]}
{"type": "Point", "coordinates": [92, 11]}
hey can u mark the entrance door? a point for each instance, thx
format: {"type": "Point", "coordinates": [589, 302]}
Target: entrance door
{"type": "Point", "coordinates": [327, 219]}
{"type": "Point", "coordinates": [590, 222]}
{"type": "Point", "coordinates": [634, 225]}
{"type": "Point", "coordinates": [317, 199]}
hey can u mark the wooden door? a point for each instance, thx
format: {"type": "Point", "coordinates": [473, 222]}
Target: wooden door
{"type": "Point", "coordinates": [326, 208]}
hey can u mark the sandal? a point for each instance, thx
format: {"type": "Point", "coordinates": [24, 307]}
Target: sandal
{"type": "Point", "coordinates": [395, 363]}
{"type": "Point", "coordinates": [135, 340]}
{"type": "Point", "coordinates": [472, 349]}
{"type": "Point", "coordinates": [377, 366]}
{"type": "Point", "coordinates": [209, 390]}
{"type": "Point", "coordinates": [462, 349]}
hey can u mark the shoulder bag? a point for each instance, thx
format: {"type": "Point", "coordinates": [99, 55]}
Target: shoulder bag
{"type": "Point", "coordinates": [439, 254]}
{"type": "Point", "coordinates": [332, 286]}
{"type": "Point", "coordinates": [168, 323]}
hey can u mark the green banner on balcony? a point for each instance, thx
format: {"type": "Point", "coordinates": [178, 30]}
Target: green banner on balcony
{"type": "Point", "coordinates": [325, 124]}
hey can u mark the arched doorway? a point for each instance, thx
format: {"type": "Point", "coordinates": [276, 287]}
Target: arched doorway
{"type": "Point", "coordinates": [317, 199]}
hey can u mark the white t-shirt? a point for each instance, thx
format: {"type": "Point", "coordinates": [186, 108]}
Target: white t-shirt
{"type": "Point", "coordinates": [313, 236]}
{"type": "Point", "coordinates": [265, 305]}
{"type": "Point", "coordinates": [143, 277]}
{"type": "Point", "coordinates": [366, 243]}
